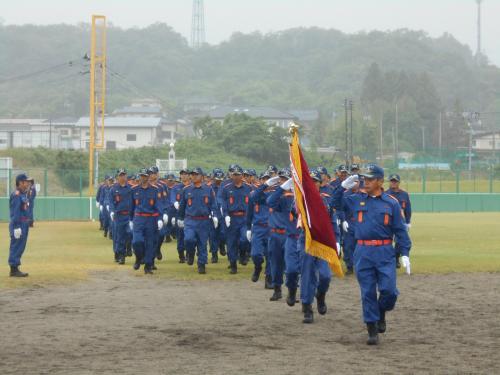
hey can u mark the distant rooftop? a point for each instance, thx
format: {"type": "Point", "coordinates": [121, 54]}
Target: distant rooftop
{"type": "Point", "coordinates": [123, 122]}
{"type": "Point", "coordinates": [264, 112]}
{"type": "Point", "coordinates": [138, 109]}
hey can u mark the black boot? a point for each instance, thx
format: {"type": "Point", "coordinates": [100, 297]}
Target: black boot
{"type": "Point", "coordinates": [121, 259]}
{"type": "Point", "coordinates": [159, 255]}
{"type": "Point", "coordinates": [277, 293]}
{"type": "Point", "coordinates": [128, 247]}
{"type": "Point", "coordinates": [117, 257]}
{"type": "Point", "coordinates": [110, 235]}
{"type": "Point", "coordinates": [148, 270]}
{"type": "Point", "coordinates": [215, 258]}
{"type": "Point", "coordinates": [292, 295]}
{"type": "Point", "coordinates": [16, 272]}
{"type": "Point", "coordinates": [244, 260]}
{"type": "Point", "coordinates": [382, 326]}
{"type": "Point", "coordinates": [182, 258]}
{"type": "Point", "coordinates": [321, 304]}
{"type": "Point", "coordinates": [349, 271]}
{"type": "Point", "coordinates": [190, 259]}
{"type": "Point", "coordinates": [201, 269]}
{"type": "Point", "coordinates": [234, 268]}
{"type": "Point", "coordinates": [154, 268]}
{"type": "Point", "coordinates": [269, 282]}
{"type": "Point", "coordinates": [137, 263]}
{"type": "Point", "coordinates": [256, 273]}
{"type": "Point", "coordinates": [222, 249]}
{"type": "Point", "coordinates": [105, 233]}
{"type": "Point", "coordinates": [168, 239]}
{"type": "Point", "coordinates": [372, 334]}
{"type": "Point", "coordinates": [308, 313]}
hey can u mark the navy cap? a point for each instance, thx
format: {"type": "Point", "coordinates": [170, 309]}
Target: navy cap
{"type": "Point", "coordinates": [394, 177]}
{"type": "Point", "coordinates": [143, 172]}
{"type": "Point", "coordinates": [342, 168]}
{"type": "Point", "coordinates": [22, 177]}
{"type": "Point", "coordinates": [250, 172]}
{"type": "Point", "coordinates": [322, 170]}
{"type": "Point", "coordinates": [237, 170]}
{"type": "Point", "coordinates": [169, 177]}
{"type": "Point", "coordinates": [184, 171]}
{"type": "Point", "coordinates": [285, 172]}
{"type": "Point", "coordinates": [132, 177]}
{"type": "Point", "coordinates": [232, 167]}
{"type": "Point", "coordinates": [272, 168]}
{"type": "Point", "coordinates": [121, 171]}
{"type": "Point", "coordinates": [354, 166]}
{"type": "Point", "coordinates": [265, 174]}
{"type": "Point", "coordinates": [316, 176]}
{"type": "Point", "coordinates": [219, 175]}
{"type": "Point", "coordinates": [217, 170]}
{"type": "Point", "coordinates": [197, 170]}
{"type": "Point", "coordinates": [373, 171]}
{"type": "Point", "coordinates": [153, 169]}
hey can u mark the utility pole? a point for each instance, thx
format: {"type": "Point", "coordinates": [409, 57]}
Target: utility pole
{"type": "Point", "coordinates": [440, 134]}
{"type": "Point", "coordinates": [423, 138]}
{"type": "Point", "coordinates": [396, 131]}
{"type": "Point", "coordinates": [381, 138]}
{"type": "Point", "coordinates": [346, 133]}
{"type": "Point", "coordinates": [351, 148]}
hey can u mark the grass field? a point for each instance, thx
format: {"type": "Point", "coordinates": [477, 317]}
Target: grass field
{"type": "Point", "coordinates": [63, 252]}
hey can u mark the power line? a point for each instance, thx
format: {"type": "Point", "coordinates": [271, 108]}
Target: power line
{"type": "Point", "coordinates": [38, 72]}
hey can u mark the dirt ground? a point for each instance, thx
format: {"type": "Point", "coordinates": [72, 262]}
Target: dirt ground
{"type": "Point", "coordinates": [119, 323]}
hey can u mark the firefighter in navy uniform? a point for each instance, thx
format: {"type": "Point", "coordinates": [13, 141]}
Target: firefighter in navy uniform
{"type": "Point", "coordinates": [379, 222]}
{"type": "Point", "coordinates": [197, 213]}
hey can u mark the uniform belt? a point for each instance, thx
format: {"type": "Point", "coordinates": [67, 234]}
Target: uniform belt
{"type": "Point", "coordinates": [296, 236]}
{"type": "Point", "coordinates": [123, 212]}
{"type": "Point", "coordinates": [237, 213]}
{"type": "Point", "coordinates": [279, 231]}
{"type": "Point", "coordinates": [198, 217]}
{"type": "Point", "coordinates": [264, 225]}
{"type": "Point", "coordinates": [143, 214]}
{"type": "Point", "coordinates": [374, 242]}
{"type": "Point", "coordinates": [25, 218]}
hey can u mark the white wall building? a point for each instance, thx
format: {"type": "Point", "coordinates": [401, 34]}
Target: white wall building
{"type": "Point", "coordinates": [486, 141]}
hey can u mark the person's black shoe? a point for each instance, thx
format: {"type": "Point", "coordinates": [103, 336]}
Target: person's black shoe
{"type": "Point", "coordinates": [159, 255]}
{"type": "Point", "coordinates": [277, 294]}
{"type": "Point", "coordinates": [154, 268]}
{"type": "Point", "coordinates": [215, 258]}
{"type": "Point", "coordinates": [137, 263]}
{"type": "Point", "coordinates": [190, 259]}
{"type": "Point", "coordinates": [256, 273]}
{"type": "Point", "coordinates": [382, 326]}
{"type": "Point", "coordinates": [372, 334]}
{"type": "Point", "coordinates": [349, 271]}
{"type": "Point", "coordinates": [291, 298]}
{"type": "Point", "coordinates": [121, 260]}
{"type": "Point", "coordinates": [148, 270]}
{"type": "Point", "coordinates": [222, 250]}
{"type": "Point", "coordinates": [321, 304]}
{"type": "Point", "coordinates": [16, 272]}
{"type": "Point", "coordinates": [182, 259]}
{"type": "Point", "coordinates": [117, 257]}
{"type": "Point", "coordinates": [201, 269]}
{"type": "Point", "coordinates": [101, 227]}
{"type": "Point", "coordinates": [128, 248]}
{"type": "Point", "coordinates": [269, 282]}
{"type": "Point", "coordinates": [308, 313]}
{"type": "Point", "coordinates": [234, 268]}
{"type": "Point", "coordinates": [105, 233]}
{"type": "Point", "coordinates": [168, 239]}
{"type": "Point", "coordinates": [244, 260]}
{"type": "Point", "coordinates": [110, 235]}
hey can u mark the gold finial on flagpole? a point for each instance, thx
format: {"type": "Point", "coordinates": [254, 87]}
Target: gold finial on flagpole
{"type": "Point", "coordinates": [293, 128]}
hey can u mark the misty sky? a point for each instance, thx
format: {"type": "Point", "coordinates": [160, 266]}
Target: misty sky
{"type": "Point", "coordinates": [223, 17]}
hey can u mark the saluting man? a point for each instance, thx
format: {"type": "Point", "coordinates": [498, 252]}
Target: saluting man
{"type": "Point", "coordinates": [19, 224]}
{"type": "Point", "coordinates": [378, 222]}
{"type": "Point", "coordinates": [197, 212]}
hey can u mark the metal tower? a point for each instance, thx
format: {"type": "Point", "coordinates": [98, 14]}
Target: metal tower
{"type": "Point", "coordinates": [198, 24]}
{"type": "Point", "coordinates": [478, 52]}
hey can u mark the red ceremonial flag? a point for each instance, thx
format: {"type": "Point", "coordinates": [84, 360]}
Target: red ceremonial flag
{"type": "Point", "coordinates": [320, 237]}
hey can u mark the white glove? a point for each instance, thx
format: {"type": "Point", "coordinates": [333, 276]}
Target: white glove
{"type": "Point", "coordinates": [165, 219]}
{"type": "Point", "coordinates": [131, 225]}
{"type": "Point", "coordinates": [101, 207]}
{"type": "Point", "coordinates": [287, 185]}
{"type": "Point", "coordinates": [160, 224]}
{"type": "Point", "coordinates": [180, 223]}
{"type": "Point", "coordinates": [228, 221]}
{"type": "Point", "coordinates": [273, 181]}
{"type": "Point", "coordinates": [176, 205]}
{"type": "Point", "coordinates": [107, 207]}
{"type": "Point", "coordinates": [249, 235]}
{"type": "Point", "coordinates": [17, 233]}
{"type": "Point", "coordinates": [112, 216]}
{"type": "Point", "coordinates": [338, 249]}
{"type": "Point", "coordinates": [408, 226]}
{"type": "Point", "coordinates": [97, 204]}
{"type": "Point", "coordinates": [173, 221]}
{"type": "Point", "coordinates": [345, 226]}
{"type": "Point", "coordinates": [405, 261]}
{"type": "Point", "coordinates": [350, 182]}
{"type": "Point", "coordinates": [216, 222]}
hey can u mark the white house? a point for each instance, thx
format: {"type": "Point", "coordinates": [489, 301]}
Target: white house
{"type": "Point", "coordinates": [270, 115]}
{"type": "Point", "coordinates": [486, 141]}
{"type": "Point", "coordinates": [124, 132]}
